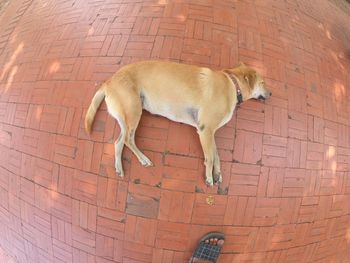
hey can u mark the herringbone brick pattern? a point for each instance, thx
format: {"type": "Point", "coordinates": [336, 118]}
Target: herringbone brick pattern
{"type": "Point", "coordinates": [286, 163]}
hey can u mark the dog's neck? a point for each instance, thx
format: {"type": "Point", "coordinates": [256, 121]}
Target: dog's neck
{"type": "Point", "coordinates": [238, 89]}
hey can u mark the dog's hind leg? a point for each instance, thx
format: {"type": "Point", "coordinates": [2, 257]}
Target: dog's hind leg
{"type": "Point", "coordinates": [133, 117]}
{"type": "Point", "coordinates": [125, 105]}
{"type": "Point", "coordinates": [130, 142]}
{"type": "Point", "coordinates": [119, 146]}
{"type": "Point", "coordinates": [115, 109]}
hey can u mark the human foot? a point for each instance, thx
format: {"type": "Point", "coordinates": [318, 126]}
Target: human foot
{"type": "Point", "coordinates": [208, 249]}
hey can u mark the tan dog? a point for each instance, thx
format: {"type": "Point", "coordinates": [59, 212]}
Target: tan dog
{"type": "Point", "coordinates": [193, 95]}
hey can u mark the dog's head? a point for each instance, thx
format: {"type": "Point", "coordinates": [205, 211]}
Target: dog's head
{"type": "Point", "coordinates": [251, 82]}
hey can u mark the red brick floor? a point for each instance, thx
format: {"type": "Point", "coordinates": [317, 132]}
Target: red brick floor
{"type": "Point", "coordinates": [286, 162]}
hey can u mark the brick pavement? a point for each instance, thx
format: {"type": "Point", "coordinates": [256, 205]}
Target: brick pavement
{"type": "Point", "coordinates": [286, 162]}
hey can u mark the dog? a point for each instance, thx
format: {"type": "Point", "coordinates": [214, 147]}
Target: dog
{"type": "Point", "coordinates": [198, 96]}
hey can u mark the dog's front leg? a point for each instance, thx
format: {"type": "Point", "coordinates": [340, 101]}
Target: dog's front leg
{"type": "Point", "coordinates": [217, 168]}
{"type": "Point", "coordinates": [206, 137]}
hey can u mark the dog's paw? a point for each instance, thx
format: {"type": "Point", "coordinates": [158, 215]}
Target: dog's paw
{"type": "Point", "coordinates": [217, 178]}
{"type": "Point", "coordinates": [209, 181]}
{"type": "Point", "coordinates": [119, 172]}
{"type": "Point", "coordinates": [146, 162]}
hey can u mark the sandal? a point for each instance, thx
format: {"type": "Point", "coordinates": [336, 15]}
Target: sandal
{"type": "Point", "coordinates": [207, 251]}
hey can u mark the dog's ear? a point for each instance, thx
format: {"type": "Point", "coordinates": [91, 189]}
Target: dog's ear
{"type": "Point", "coordinates": [227, 71]}
{"type": "Point", "coordinates": [250, 78]}
{"type": "Point", "coordinates": [241, 64]}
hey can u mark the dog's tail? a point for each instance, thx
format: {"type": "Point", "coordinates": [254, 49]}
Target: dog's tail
{"type": "Point", "coordinates": [91, 112]}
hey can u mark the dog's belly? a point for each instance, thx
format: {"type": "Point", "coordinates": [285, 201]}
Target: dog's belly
{"type": "Point", "coordinates": [187, 115]}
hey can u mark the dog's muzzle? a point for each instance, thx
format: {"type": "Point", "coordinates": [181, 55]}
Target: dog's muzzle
{"type": "Point", "coordinates": [263, 98]}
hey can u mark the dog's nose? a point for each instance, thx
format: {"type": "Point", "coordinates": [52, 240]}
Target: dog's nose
{"type": "Point", "coordinates": [270, 93]}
